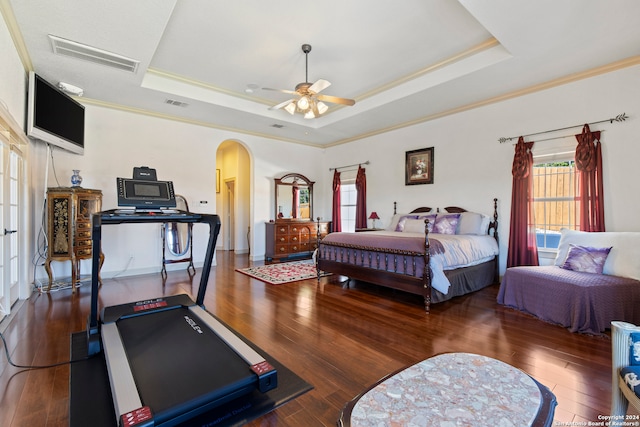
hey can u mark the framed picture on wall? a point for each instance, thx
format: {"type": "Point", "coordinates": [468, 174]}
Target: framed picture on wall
{"type": "Point", "coordinates": [419, 166]}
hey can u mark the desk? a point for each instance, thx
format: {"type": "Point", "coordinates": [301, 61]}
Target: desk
{"type": "Point", "coordinates": [462, 388]}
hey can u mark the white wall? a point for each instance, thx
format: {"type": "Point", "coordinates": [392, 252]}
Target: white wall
{"type": "Point", "coordinates": [117, 141]}
{"type": "Point", "coordinates": [471, 167]}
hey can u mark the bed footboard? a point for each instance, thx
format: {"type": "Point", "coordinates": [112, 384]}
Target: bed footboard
{"type": "Point", "coordinates": [403, 270]}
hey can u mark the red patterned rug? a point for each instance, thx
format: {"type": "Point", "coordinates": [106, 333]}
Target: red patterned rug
{"type": "Point", "coordinates": [284, 272]}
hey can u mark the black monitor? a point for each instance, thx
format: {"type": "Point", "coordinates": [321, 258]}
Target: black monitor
{"type": "Point", "coordinates": [145, 194]}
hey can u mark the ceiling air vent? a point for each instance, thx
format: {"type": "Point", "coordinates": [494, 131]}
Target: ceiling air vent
{"type": "Point", "coordinates": [89, 53]}
{"type": "Point", "coordinates": [176, 103]}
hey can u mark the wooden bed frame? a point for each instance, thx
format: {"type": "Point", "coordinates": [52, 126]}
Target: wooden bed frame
{"type": "Point", "coordinates": [401, 280]}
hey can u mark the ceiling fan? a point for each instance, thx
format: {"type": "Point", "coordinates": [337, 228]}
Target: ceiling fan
{"type": "Point", "coordinates": [309, 101]}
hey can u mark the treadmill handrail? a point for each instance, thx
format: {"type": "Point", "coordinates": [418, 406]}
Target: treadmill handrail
{"type": "Point", "coordinates": [113, 217]}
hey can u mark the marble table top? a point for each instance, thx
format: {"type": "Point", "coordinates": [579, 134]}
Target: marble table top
{"type": "Point", "coordinates": [451, 389]}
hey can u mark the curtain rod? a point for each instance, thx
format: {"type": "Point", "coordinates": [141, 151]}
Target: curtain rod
{"type": "Point", "coordinates": [619, 118]}
{"type": "Point", "coordinates": [348, 166]}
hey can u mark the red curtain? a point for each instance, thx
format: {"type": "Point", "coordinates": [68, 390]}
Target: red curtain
{"type": "Point", "coordinates": [361, 198]}
{"type": "Point", "coordinates": [522, 237]}
{"type": "Point", "coordinates": [589, 170]}
{"type": "Point", "coordinates": [335, 212]}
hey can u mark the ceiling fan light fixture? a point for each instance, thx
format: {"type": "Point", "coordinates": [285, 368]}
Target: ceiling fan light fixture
{"type": "Point", "coordinates": [303, 103]}
{"type": "Point", "coordinates": [308, 102]}
{"type": "Point", "coordinates": [322, 107]}
{"type": "Point", "coordinates": [291, 108]}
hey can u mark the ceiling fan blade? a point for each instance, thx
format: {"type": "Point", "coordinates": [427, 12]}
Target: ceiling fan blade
{"type": "Point", "coordinates": [281, 90]}
{"type": "Point", "coordinates": [319, 86]}
{"type": "Point", "coordinates": [336, 100]}
{"type": "Point", "coordinates": [282, 104]}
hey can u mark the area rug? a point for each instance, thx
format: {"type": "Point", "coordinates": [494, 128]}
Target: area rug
{"type": "Point", "coordinates": [284, 272]}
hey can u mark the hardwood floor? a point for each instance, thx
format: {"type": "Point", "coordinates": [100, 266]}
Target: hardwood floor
{"type": "Point", "coordinates": [340, 340]}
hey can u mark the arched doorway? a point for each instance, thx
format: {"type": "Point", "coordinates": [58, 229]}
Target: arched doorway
{"type": "Point", "coordinates": [233, 199]}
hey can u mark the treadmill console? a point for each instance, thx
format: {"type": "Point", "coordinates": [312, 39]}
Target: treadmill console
{"type": "Point", "coordinates": [145, 194]}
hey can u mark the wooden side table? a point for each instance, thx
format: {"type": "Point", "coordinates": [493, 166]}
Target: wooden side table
{"type": "Point", "coordinates": [69, 211]}
{"type": "Point", "coordinates": [455, 389]}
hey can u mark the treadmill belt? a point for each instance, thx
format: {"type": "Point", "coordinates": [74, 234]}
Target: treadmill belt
{"type": "Point", "coordinates": [181, 366]}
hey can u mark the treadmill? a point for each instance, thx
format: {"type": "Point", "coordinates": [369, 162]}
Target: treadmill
{"type": "Point", "coordinates": [168, 359]}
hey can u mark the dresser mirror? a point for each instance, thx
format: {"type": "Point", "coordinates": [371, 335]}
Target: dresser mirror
{"type": "Point", "coordinates": [294, 197]}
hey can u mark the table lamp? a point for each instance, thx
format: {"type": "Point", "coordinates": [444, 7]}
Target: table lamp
{"type": "Point", "coordinates": [374, 216]}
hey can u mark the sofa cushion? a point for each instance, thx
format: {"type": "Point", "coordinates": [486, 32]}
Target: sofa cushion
{"type": "Point", "coordinates": [634, 348]}
{"type": "Point", "coordinates": [586, 259]}
{"type": "Point", "coordinates": [623, 257]}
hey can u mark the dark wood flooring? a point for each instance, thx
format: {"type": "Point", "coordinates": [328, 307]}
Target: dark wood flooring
{"type": "Point", "coordinates": [340, 340]}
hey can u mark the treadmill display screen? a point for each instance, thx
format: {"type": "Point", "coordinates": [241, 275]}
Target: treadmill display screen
{"type": "Point", "coordinates": [144, 194]}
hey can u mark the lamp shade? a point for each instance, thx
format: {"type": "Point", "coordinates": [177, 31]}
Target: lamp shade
{"type": "Point", "coordinates": [374, 215]}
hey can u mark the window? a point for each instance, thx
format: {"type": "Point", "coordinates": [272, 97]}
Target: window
{"type": "Point", "coordinates": [554, 201]}
{"type": "Point", "coordinates": [348, 206]}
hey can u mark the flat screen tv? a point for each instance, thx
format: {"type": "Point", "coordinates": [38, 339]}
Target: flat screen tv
{"type": "Point", "coordinates": [53, 116]}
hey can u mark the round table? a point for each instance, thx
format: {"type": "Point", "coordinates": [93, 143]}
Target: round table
{"type": "Point", "coordinates": [453, 389]}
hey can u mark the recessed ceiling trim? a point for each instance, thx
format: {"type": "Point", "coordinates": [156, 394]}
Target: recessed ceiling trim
{"type": "Point", "coordinates": [486, 45]}
{"type": "Point", "coordinates": [88, 53]}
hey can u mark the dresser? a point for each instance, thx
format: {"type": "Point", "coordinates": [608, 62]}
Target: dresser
{"type": "Point", "coordinates": [291, 239]}
{"type": "Point", "coordinates": [69, 212]}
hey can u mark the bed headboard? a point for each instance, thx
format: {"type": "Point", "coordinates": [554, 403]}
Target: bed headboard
{"type": "Point", "coordinates": [455, 209]}
{"type": "Point", "coordinates": [416, 210]}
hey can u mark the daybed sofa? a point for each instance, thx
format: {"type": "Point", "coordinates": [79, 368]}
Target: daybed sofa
{"type": "Point", "coordinates": [595, 280]}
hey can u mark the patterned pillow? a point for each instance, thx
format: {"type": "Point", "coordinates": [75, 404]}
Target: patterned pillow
{"type": "Point", "coordinates": [634, 348]}
{"type": "Point", "coordinates": [446, 224]}
{"type": "Point", "coordinates": [631, 377]}
{"type": "Point", "coordinates": [586, 259]}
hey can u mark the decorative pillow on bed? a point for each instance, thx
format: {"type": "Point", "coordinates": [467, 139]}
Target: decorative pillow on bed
{"type": "Point", "coordinates": [446, 224]}
{"type": "Point", "coordinates": [401, 221]}
{"type": "Point", "coordinates": [586, 259]}
{"type": "Point", "coordinates": [473, 223]}
{"type": "Point", "coordinates": [417, 225]}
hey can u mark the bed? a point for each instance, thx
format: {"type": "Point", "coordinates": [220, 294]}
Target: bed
{"type": "Point", "coordinates": [460, 248]}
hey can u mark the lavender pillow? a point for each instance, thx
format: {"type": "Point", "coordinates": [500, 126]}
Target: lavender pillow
{"type": "Point", "coordinates": [586, 259]}
{"type": "Point", "coordinates": [401, 221]}
{"type": "Point", "coordinates": [446, 224]}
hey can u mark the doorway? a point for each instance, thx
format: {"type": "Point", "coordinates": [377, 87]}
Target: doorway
{"type": "Point", "coordinates": [233, 201]}
{"type": "Point", "coordinates": [229, 215]}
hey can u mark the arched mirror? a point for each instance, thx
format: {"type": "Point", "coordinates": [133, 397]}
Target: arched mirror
{"type": "Point", "coordinates": [294, 197]}
{"type": "Point", "coordinates": [178, 234]}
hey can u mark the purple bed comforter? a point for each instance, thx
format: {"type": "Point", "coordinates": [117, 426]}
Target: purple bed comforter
{"type": "Point", "coordinates": [581, 302]}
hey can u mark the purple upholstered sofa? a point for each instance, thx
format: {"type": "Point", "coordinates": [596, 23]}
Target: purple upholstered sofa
{"type": "Point", "coordinates": [573, 292]}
